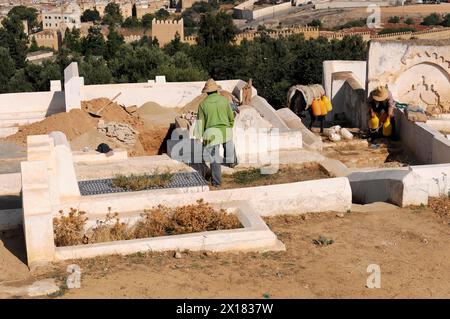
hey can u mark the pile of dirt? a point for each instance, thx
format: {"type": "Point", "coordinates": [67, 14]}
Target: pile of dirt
{"type": "Point", "coordinates": [72, 124]}
{"type": "Point", "coordinates": [112, 113]}
{"type": "Point", "coordinates": [193, 105]}
{"type": "Point", "coordinates": [80, 128]}
{"type": "Point", "coordinates": [153, 114]}
{"type": "Point", "coordinates": [152, 108]}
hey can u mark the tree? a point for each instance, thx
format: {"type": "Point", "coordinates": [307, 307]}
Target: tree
{"type": "Point", "coordinates": [95, 71]}
{"type": "Point", "coordinates": [90, 15]}
{"type": "Point", "coordinates": [132, 22]}
{"type": "Point", "coordinates": [409, 21]}
{"type": "Point", "coordinates": [39, 76]}
{"type": "Point", "coordinates": [26, 13]}
{"type": "Point", "coordinates": [19, 82]}
{"type": "Point", "coordinates": [7, 69]}
{"type": "Point", "coordinates": [147, 20]}
{"type": "Point", "coordinates": [34, 46]}
{"type": "Point", "coordinates": [112, 15]}
{"type": "Point", "coordinates": [394, 19]}
{"type": "Point", "coordinates": [72, 39]}
{"type": "Point", "coordinates": [175, 46]}
{"type": "Point", "coordinates": [13, 38]}
{"type": "Point", "coordinates": [446, 20]}
{"type": "Point", "coordinates": [315, 23]}
{"type": "Point", "coordinates": [113, 44]}
{"type": "Point", "coordinates": [93, 43]}
{"type": "Point", "coordinates": [216, 29]}
{"type": "Point", "coordinates": [162, 14]}
{"type": "Point", "coordinates": [432, 19]}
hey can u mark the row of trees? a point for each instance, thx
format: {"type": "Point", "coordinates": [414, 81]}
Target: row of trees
{"type": "Point", "coordinates": [273, 64]}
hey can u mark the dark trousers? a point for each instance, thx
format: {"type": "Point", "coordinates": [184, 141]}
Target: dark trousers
{"type": "Point", "coordinates": [211, 154]}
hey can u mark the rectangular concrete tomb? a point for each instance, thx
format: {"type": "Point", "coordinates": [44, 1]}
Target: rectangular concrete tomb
{"type": "Point", "coordinates": [255, 235]}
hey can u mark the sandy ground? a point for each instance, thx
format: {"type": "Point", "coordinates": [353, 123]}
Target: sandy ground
{"type": "Point", "coordinates": [410, 245]}
{"type": "Point", "coordinates": [358, 153]}
{"type": "Point", "coordinates": [334, 17]}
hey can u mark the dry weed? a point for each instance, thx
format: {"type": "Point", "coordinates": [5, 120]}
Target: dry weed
{"type": "Point", "coordinates": [161, 220]}
{"type": "Point", "coordinates": [69, 230]}
{"type": "Point", "coordinates": [109, 230]}
{"type": "Point", "coordinates": [158, 221]}
{"type": "Point", "coordinates": [440, 205]}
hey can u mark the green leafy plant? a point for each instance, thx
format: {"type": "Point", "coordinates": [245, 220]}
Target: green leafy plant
{"type": "Point", "coordinates": [140, 182]}
{"type": "Point", "coordinates": [323, 241]}
{"type": "Point", "coordinates": [249, 176]}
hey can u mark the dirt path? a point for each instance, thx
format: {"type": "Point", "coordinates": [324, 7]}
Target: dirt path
{"type": "Point", "coordinates": [410, 245]}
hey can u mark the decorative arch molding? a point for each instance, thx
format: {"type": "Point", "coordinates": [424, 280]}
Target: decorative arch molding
{"type": "Point", "coordinates": [413, 57]}
{"type": "Point", "coordinates": [430, 89]}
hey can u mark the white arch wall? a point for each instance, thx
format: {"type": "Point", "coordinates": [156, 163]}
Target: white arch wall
{"type": "Point", "coordinates": [413, 65]}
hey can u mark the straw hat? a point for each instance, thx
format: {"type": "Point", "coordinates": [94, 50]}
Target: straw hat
{"type": "Point", "coordinates": [381, 93]}
{"type": "Point", "coordinates": [210, 86]}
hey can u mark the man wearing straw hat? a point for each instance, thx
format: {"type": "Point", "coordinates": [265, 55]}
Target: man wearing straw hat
{"type": "Point", "coordinates": [214, 125]}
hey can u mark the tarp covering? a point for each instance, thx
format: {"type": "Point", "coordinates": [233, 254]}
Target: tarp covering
{"type": "Point", "coordinates": [309, 93]}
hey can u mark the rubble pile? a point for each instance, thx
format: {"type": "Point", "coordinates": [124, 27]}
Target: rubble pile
{"type": "Point", "coordinates": [120, 131]}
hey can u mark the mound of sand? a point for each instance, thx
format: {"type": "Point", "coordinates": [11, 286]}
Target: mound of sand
{"type": "Point", "coordinates": [153, 108]}
{"type": "Point", "coordinates": [80, 128]}
{"type": "Point", "coordinates": [112, 113]}
{"type": "Point", "coordinates": [193, 105]}
{"type": "Point", "coordinates": [154, 114]}
{"type": "Point", "coordinates": [73, 123]}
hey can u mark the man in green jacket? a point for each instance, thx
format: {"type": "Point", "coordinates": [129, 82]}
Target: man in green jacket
{"type": "Point", "coordinates": [214, 125]}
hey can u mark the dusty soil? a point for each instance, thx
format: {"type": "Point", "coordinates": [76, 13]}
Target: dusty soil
{"type": "Point", "coordinates": [286, 174]}
{"type": "Point", "coordinates": [80, 127]}
{"type": "Point", "coordinates": [358, 153]}
{"type": "Point", "coordinates": [333, 17]}
{"type": "Point", "coordinates": [410, 245]}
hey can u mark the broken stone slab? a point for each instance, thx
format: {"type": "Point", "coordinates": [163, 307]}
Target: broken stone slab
{"type": "Point", "coordinates": [310, 140]}
{"type": "Point", "coordinates": [39, 288]}
{"type": "Point", "coordinates": [334, 167]}
{"type": "Point", "coordinates": [120, 131]}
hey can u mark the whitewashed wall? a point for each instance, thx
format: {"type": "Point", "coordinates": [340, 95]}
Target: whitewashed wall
{"type": "Point", "coordinates": [24, 108]}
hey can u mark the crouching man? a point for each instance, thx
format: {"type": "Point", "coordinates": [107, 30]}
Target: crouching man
{"type": "Point", "coordinates": [214, 125]}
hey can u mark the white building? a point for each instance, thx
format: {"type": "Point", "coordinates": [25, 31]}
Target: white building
{"type": "Point", "coordinates": [69, 17]}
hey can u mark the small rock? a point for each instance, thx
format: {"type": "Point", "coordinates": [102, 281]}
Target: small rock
{"type": "Point", "coordinates": [208, 253]}
{"type": "Point", "coordinates": [425, 241]}
{"type": "Point", "coordinates": [340, 215]}
{"type": "Point", "coordinates": [177, 255]}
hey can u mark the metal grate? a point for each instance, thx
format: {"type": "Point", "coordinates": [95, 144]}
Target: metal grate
{"type": "Point", "coordinates": [104, 186]}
